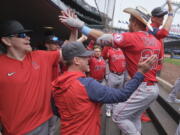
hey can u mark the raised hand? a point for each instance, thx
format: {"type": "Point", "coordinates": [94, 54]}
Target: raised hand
{"type": "Point", "coordinates": [175, 4]}
{"type": "Point", "coordinates": [70, 19]}
{"type": "Point", "coordinates": [144, 66]}
{"type": "Point", "coordinates": [169, 3]}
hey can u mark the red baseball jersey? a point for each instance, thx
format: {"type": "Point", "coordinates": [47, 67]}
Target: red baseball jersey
{"type": "Point", "coordinates": [25, 91]}
{"type": "Point", "coordinates": [97, 68]}
{"type": "Point", "coordinates": [136, 46]}
{"type": "Point", "coordinates": [160, 34]}
{"type": "Point", "coordinates": [116, 59]}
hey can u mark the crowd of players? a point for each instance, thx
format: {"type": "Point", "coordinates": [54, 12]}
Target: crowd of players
{"type": "Point", "coordinates": [116, 69]}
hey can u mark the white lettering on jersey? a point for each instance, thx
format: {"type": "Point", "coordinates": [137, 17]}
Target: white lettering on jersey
{"type": "Point", "coordinates": [146, 53]}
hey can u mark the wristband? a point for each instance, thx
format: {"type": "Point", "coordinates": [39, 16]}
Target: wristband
{"type": "Point", "coordinates": [170, 14]}
{"type": "Point", "coordinates": [85, 30]}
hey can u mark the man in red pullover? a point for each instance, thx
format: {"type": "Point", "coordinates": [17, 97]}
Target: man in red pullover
{"type": "Point", "coordinates": [79, 98]}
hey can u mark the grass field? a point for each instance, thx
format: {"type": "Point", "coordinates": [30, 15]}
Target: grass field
{"type": "Point", "coordinates": [172, 61]}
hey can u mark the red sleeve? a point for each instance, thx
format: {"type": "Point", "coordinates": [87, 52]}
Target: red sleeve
{"type": "Point", "coordinates": [91, 45]}
{"type": "Point", "coordinates": [52, 57]}
{"type": "Point", "coordinates": [122, 40]}
{"type": "Point", "coordinates": [105, 52]}
{"type": "Point", "coordinates": [162, 33]}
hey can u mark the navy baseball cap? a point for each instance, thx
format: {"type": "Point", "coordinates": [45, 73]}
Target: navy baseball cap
{"type": "Point", "coordinates": [53, 39]}
{"type": "Point", "coordinates": [74, 49]}
{"type": "Point", "coordinates": [11, 27]}
{"type": "Point", "coordinates": [158, 12]}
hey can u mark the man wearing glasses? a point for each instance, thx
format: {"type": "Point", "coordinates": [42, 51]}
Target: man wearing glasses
{"type": "Point", "coordinates": [25, 83]}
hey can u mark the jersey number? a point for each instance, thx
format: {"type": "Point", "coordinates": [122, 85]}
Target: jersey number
{"type": "Point", "coordinates": [146, 53]}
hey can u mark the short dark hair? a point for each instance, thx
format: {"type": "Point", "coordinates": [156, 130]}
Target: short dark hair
{"type": "Point", "coordinates": [142, 25]}
{"type": "Point", "coordinates": [97, 47]}
{"type": "Point", "coordinates": [3, 47]}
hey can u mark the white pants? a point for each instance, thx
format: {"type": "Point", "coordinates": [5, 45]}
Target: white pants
{"type": "Point", "coordinates": [175, 89]}
{"type": "Point", "coordinates": [127, 114]}
{"type": "Point", "coordinates": [114, 81]}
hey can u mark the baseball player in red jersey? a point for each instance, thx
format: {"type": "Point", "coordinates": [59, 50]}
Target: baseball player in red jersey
{"type": "Point", "coordinates": [117, 67]}
{"type": "Point", "coordinates": [136, 45]}
{"type": "Point", "coordinates": [127, 115]}
{"type": "Point", "coordinates": [97, 65]}
{"type": "Point", "coordinates": [157, 19]}
{"type": "Point", "coordinates": [25, 83]}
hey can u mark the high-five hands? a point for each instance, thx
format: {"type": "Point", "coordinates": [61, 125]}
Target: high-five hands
{"type": "Point", "coordinates": [69, 19]}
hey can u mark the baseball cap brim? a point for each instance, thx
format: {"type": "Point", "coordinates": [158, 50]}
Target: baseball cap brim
{"type": "Point", "coordinates": [17, 32]}
{"type": "Point", "coordinates": [21, 31]}
{"type": "Point", "coordinates": [162, 13]}
{"type": "Point", "coordinates": [87, 54]}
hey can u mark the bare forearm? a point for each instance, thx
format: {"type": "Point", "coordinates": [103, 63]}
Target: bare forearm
{"type": "Point", "coordinates": [95, 33]}
{"type": "Point", "coordinates": [168, 23]}
{"type": "Point", "coordinates": [170, 17]}
{"type": "Point", "coordinates": [73, 35]}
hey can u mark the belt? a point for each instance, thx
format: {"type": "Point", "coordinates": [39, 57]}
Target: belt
{"type": "Point", "coordinates": [149, 83]}
{"type": "Point", "coordinates": [118, 73]}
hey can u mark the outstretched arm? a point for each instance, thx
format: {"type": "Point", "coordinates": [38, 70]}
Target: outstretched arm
{"type": "Point", "coordinates": [104, 94]}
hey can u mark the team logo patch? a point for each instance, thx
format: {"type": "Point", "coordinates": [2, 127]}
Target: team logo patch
{"type": "Point", "coordinates": [118, 38]}
{"type": "Point", "coordinates": [35, 65]}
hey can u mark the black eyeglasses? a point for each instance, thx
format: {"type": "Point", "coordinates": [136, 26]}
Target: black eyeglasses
{"type": "Point", "coordinates": [20, 35]}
